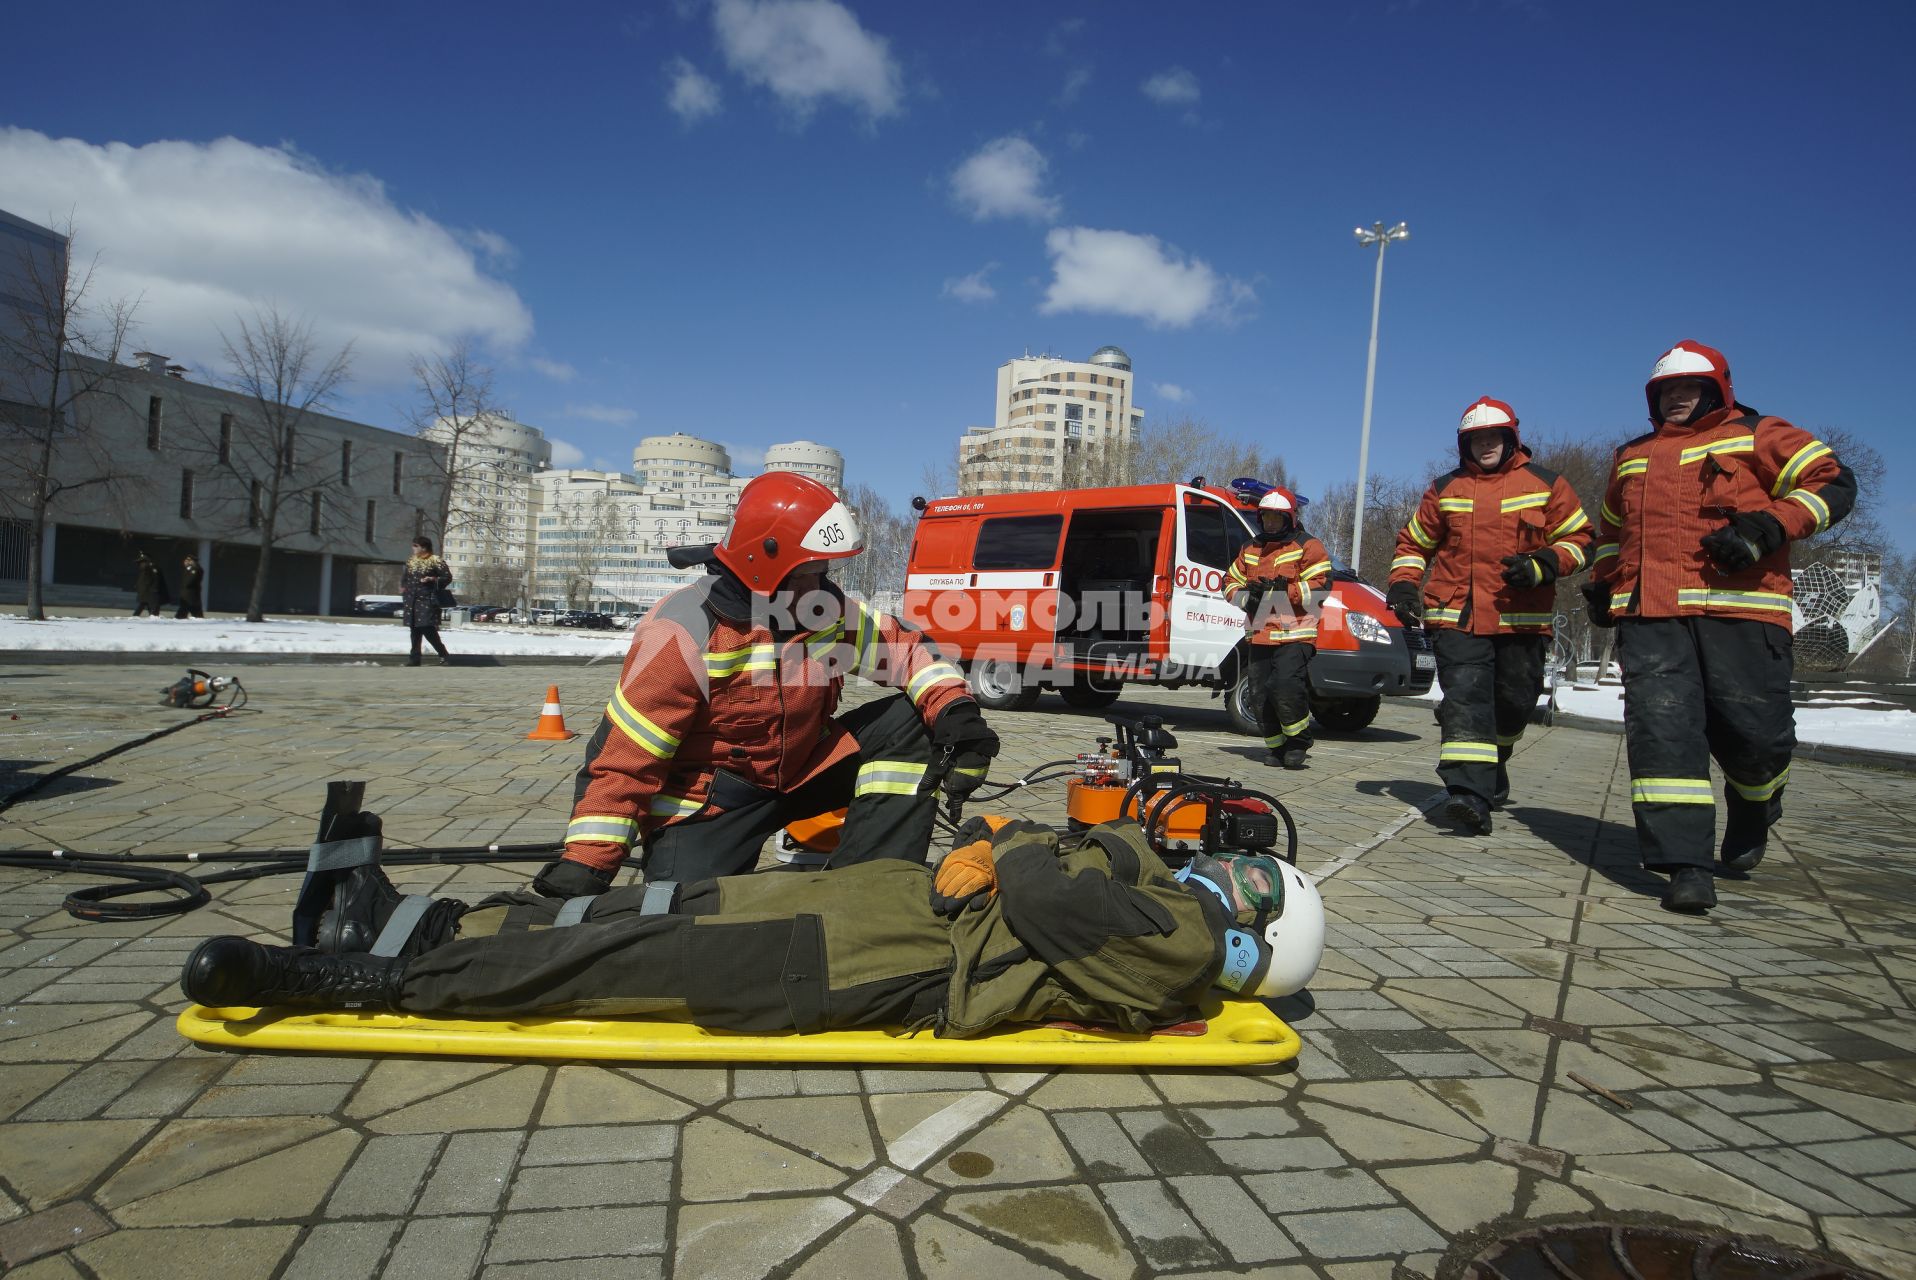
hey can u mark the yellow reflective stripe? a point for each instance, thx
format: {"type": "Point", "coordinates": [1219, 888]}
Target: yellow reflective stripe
{"type": "Point", "coordinates": [1444, 615]}
{"type": "Point", "coordinates": [1456, 504]}
{"type": "Point", "coordinates": [1527, 619]}
{"type": "Point", "coordinates": [1729, 444]}
{"type": "Point", "coordinates": [1633, 466]}
{"type": "Point", "coordinates": [1704, 597]}
{"type": "Point", "coordinates": [1671, 791]}
{"type": "Point", "coordinates": [602, 827]}
{"type": "Point", "coordinates": [1317, 570]}
{"type": "Point", "coordinates": [1762, 790]}
{"type": "Point", "coordinates": [758, 657]}
{"type": "Point", "coordinates": [1611, 517]}
{"type": "Point", "coordinates": [965, 771]}
{"type": "Point", "coordinates": [1524, 501]}
{"type": "Point", "coordinates": [1274, 740]}
{"type": "Point", "coordinates": [1409, 562]}
{"type": "Point", "coordinates": [639, 729]}
{"type": "Point", "coordinates": [1620, 600]}
{"type": "Point", "coordinates": [1509, 739]}
{"type": "Point", "coordinates": [1572, 550]}
{"type": "Point", "coordinates": [1817, 507]}
{"type": "Point", "coordinates": [664, 806]}
{"type": "Point", "coordinates": [823, 640]}
{"type": "Point", "coordinates": [867, 638]}
{"type": "Point", "coordinates": [888, 778]}
{"type": "Point", "coordinates": [936, 673]}
{"type": "Point", "coordinates": [1786, 479]}
{"type": "Point", "coordinates": [1233, 580]}
{"type": "Point", "coordinates": [1295, 728]}
{"type": "Point", "coordinates": [1576, 520]}
{"type": "Point", "coordinates": [1416, 530]}
{"type": "Point", "coordinates": [1289, 557]}
{"type": "Point", "coordinates": [1602, 550]}
{"type": "Point", "coordinates": [1469, 752]}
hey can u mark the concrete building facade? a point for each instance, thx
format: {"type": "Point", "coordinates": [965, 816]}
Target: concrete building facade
{"type": "Point", "coordinates": [489, 517]}
{"type": "Point", "coordinates": [819, 461]}
{"type": "Point", "coordinates": [1053, 417]}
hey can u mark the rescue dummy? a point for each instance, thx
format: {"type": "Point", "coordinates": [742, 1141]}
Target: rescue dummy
{"type": "Point", "coordinates": [1692, 565]}
{"type": "Point", "coordinates": [1016, 927]}
{"type": "Point", "coordinates": [1280, 581]}
{"type": "Point", "coordinates": [1494, 536]}
{"type": "Point", "coordinates": [722, 726]}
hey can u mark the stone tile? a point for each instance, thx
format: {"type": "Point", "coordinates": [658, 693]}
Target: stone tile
{"type": "Point", "coordinates": [1065, 1224]}
{"type": "Point", "coordinates": [384, 1178]}
{"type": "Point", "coordinates": [86, 1092]}
{"type": "Point", "coordinates": [1360, 1233]}
{"type": "Point", "coordinates": [936, 1122]}
{"type": "Point", "coordinates": [285, 1185]}
{"type": "Point", "coordinates": [570, 1186]}
{"type": "Point", "coordinates": [502, 1101]}
{"type": "Point", "coordinates": [270, 1100]}
{"type": "Point", "coordinates": [892, 1192]}
{"type": "Point", "coordinates": [471, 1175]}
{"type": "Point", "coordinates": [1241, 1122]}
{"type": "Point", "coordinates": [1171, 1148]}
{"type": "Point", "coordinates": [723, 1162]}
{"type": "Point", "coordinates": [946, 1251]}
{"type": "Point", "coordinates": [399, 1082]}
{"type": "Point", "coordinates": [1233, 1219]}
{"type": "Point", "coordinates": [1340, 1187]}
{"type": "Point", "coordinates": [54, 1231]}
{"type": "Point", "coordinates": [439, 1249]}
{"type": "Point", "coordinates": [1369, 1139]}
{"type": "Point", "coordinates": [1618, 1197]}
{"type": "Point", "coordinates": [1797, 1128]}
{"type": "Point", "coordinates": [577, 1233]}
{"type": "Point", "coordinates": [1457, 1196]}
{"type": "Point", "coordinates": [1017, 1147]}
{"type": "Point", "coordinates": [1102, 1145]}
{"type": "Point", "coordinates": [1874, 1242]}
{"type": "Point", "coordinates": [599, 1144]}
{"type": "Point", "coordinates": [20, 1085]}
{"type": "Point", "coordinates": [832, 1128]}
{"type": "Point", "coordinates": [591, 1095]}
{"type": "Point", "coordinates": [1163, 1234]}
{"type": "Point", "coordinates": [53, 1160]}
{"type": "Point", "coordinates": [748, 1240]}
{"type": "Point", "coordinates": [168, 1088]}
{"type": "Point", "coordinates": [337, 1249]}
{"type": "Point", "coordinates": [223, 1253]}
{"type": "Point", "coordinates": [868, 1247]}
{"type": "Point", "coordinates": [1103, 1089]}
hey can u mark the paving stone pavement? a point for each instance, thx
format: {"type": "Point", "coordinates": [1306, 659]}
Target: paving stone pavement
{"type": "Point", "coordinates": [1506, 1031]}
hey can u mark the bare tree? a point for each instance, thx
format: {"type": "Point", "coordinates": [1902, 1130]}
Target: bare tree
{"type": "Point", "coordinates": [455, 409]}
{"type": "Point", "coordinates": [59, 355]}
{"type": "Point", "coordinates": [273, 362]}
{"type": "Point", "coordinates": [1181, 449]}
{"type": "Point", "coordinates": [1389, 501]}
{"type": "Point", "coordinates": [880, 571]}
{"type": "Point", "coordinates": [589, 523]}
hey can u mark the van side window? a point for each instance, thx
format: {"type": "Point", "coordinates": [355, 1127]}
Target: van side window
{"type": "Point", "coordinates": [1212, 535]}
{"type": "Point", "coordinates": [1018, 542]}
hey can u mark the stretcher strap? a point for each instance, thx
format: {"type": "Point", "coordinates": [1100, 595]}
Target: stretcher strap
{"type": "Point", "coordinates": [658, 897]}
{"type": "Point", "coordinates": [343, 855]}
{"type": "Point", "coordinates": [399, 927]}
{"type": "Point", "coordinates": [571, 911]}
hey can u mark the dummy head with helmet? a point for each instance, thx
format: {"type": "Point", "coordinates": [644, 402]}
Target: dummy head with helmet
{"type": "Point", "coordinates": [785, 531]}
{"type": "Point", "coordinates": [1275, 937]}
{"type": "Point", "coordinates": [1487, 438]}
{"type": "Point", "coordinates": [1688, 382]}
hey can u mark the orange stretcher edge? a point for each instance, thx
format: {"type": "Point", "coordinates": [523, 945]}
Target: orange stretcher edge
{"type": "Point", "coordinates": [1237, 1033]}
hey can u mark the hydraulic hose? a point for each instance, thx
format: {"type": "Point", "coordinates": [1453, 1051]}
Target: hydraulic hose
{"type": "Point", "coordinates": [15, 797]}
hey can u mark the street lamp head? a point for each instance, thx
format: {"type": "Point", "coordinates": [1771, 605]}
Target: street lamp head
{"type": "Point", "coordinates": [1401, 231]}
{"type": "Point", "coordinates": [1362, 234]}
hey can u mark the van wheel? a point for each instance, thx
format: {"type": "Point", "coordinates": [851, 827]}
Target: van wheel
{"type": "Point", "coordinates": [1344, 715]}
{"type": "Point", "coordinates": [1087, 693]}
{"type": "Point", "coordinates": [998, 686]}
{"type": "Point", "coordinates": [1239, 704]}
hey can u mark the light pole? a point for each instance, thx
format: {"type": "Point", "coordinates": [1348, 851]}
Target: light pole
{"type": "Point", "coordinates": [1381, 236]}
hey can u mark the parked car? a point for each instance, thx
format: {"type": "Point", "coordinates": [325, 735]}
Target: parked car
{"type": "Point", "coordinates": [584, 618]}
{"type": "Point", "coordinates": [626, 621]}
{"type": "Point", "coordinates": [378, 606]}
{"type": "Point", "coordinates": [488, 612]}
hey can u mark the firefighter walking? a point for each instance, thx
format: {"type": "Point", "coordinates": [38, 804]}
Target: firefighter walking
{"type": "Point", "coordinates": [1692, 566]}
{"type": "Point", "coordinates": [721, 728]}
{"type": "Point", "coordinates": [1494, 535]}
{"type": "Point", "coordinates": [1280, 581]}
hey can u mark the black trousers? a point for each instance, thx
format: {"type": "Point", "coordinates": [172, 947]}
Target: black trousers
{"type": "Point", "coordinates": [189, 603]}
{"type": "Point", "coordinates": [430, 634]}
{"type": "Point", "coordinates": [887, 818]}
{"type": "Point", "coordinates": [1491, 685]}
{"type": "Point", "coordinates": [1696, 689]}
{"type": "Point", "coordinates": [1281, 692]}
{"type": "Point", "coordinates": [760, 972]}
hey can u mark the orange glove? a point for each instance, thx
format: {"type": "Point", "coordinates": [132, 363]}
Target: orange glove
{"type": "Point", "coordinates": [966, 879]}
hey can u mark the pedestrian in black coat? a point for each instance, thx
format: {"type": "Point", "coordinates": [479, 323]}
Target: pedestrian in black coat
{"type": "Point", "coordinates": [149, 587]}
{"type": "Point", "coordinates": [421, 583]}
{"type": "Point", "coordinates": [191, 576]}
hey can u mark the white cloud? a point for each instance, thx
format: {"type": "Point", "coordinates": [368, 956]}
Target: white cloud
{"type": "Point", "coordinates": [557, 370]}
{"type": "Point", "coordinates": [1170, 391]}
{"type": "Point", "coordinates": [1174, 87]}
{"type": "Point", "coordinates": [565, 453]}
{"type": "Point", "coordinates": [807, 52]}
{"type": "Point", "coordinates": [1004, 179]}
{"type": "Point", "coordinates": [971, 288]}
{"type": "Point", "coordinates": [607, 413]}
{"type": "Point", "coordinates": [1076, 81]}
{"type": "Point", "coordinates": [691, 95]}
{"type": "Point", "coordinates": [202, 232]}
{"type": "Point", "coordinates": [745, 457]}
{"type": "Point", "coordinates": [1119, 273]}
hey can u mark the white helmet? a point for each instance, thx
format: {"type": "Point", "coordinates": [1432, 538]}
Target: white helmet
{"type": "Point", "coordinates": [1279, 954]}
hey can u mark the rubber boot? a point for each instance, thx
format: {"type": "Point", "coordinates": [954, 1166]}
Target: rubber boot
{"type": "Point", "coordinates": [1502, 794]}
{"type": "Point", "coordinates": [1292, 758]}
{"type": "Point", "coordinates": [1690, 891]}
{"type": "Point", "coordinates": [364, 900]}
{"type": "Point", "coordinates": [1746, 833]}
{"type": "Point", "coordinates": [1469, 812]}
{"type": "Point", "coordinates": [224, 973]}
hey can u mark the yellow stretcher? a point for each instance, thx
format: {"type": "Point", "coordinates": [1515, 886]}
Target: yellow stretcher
{"type": "Point", "coordinates": [1236, 1033]}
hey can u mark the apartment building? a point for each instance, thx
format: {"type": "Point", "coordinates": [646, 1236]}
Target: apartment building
{"type": "Point", "coordinates": [1056, 423]}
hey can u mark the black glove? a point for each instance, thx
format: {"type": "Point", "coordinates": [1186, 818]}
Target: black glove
{"type": "Point", "coordinates": [1406, 600]}
{"type": "Point", "coordinates": [564, 878]}
{"type": "Point", "coordinates": [1596, 596]}
{"type": "Point", "coordinates": [1534, 570]}
{"type": "Point", "coordinates": [961, 728]}
{"type": "Point", "coordinates": [1747, 538]}
{"type": "Point", "coordinates": [1251, 598]}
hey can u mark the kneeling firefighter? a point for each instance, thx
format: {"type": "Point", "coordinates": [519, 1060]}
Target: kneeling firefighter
{"type": "Point", "coordinates": [1280, 580]}
{"type": "Point", "coordinates": [1494, 535]}
{"type": "Point", "coordinates": [1017, 925]}
{"type": "Point", "coordinates": [722, 729]}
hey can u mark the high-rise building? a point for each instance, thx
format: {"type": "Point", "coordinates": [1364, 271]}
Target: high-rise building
{"type": "Point", "coordinates": [819, 461]}
{"type": "Point", "coordinates": [1058, 423]}
{"type": "Point", "coordinates": [488, 527]}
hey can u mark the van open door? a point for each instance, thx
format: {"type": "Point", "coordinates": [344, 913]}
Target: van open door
{"type": "Point", "coordinates": [1204, 628]}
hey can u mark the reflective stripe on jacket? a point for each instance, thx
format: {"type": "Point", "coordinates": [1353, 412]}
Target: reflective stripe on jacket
{"type": "Point", "coordinates": [1294, 570]}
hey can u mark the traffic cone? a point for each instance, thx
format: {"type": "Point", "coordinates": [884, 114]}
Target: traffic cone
{"type": "Point", "coordinates": [551, 726]}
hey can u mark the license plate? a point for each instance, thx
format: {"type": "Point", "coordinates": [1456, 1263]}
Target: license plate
{"type": "Point", "coordinates": [1424, 661]}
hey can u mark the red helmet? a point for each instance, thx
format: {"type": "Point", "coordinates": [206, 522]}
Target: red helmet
{"type": "Point", "coordinates": [1689, 359]}
{"type": "Point", "coordinates": [1487, 414]}
{"type": "Point", "coordinates": [784, 520]}
{"type": "Point", "coordinates": [1279, 499]}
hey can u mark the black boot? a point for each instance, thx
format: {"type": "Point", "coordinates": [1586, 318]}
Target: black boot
{"type": "Point", "coordinates": [1469, 812]}
{"type": "Point", "coordinates": [1690, 891]}
{"type": "Point", "coordinates": [225, 973]}
{"type": "Point", "coordinates": [1746, 832]}
{"type": "Point", "coordinates": [1501, 797]}
{"type": "Point", "coordinates": [1292, 758]}
{"type": "Point", "coordinates": [364, 900]}
{"type": "Point", "coordinates": [413, 661]}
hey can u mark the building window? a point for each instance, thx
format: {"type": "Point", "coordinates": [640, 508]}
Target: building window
{"type": "Point", "coordinates": [372, 516]}
{"type": "Point", "coordinates": [346, 463]}
{"type": "Point", "coordinates": [253, 506]}
{"type": "Point", "coordinates": [186, 495]}
{"type": "Point", "coordinates": [226, 438]}
{"type": "Point", "coordinates": [399, 470]}
{"type": "Point", "coordinates": [313, 516]}
{"type": "Point", "coordinates": [153, 422]}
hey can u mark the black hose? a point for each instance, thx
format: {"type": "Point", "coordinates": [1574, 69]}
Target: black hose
{"type": "Point", "coordinates": [15, 797]}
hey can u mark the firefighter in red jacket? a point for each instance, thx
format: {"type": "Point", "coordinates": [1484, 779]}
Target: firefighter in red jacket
{"type": "Point", "coordinates": [721, 728]}
{"type": "Point", "coordinates": [1692, 565]}
{"type": "Point", "coordinates": [1280, 581]}
{"type": "Point", "coordinates": [1494, 535]}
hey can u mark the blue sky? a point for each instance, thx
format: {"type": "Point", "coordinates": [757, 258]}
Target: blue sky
{"type": "Point", "coordinates": [758, 220]}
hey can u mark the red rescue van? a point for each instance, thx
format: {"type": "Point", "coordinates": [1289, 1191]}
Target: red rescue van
{"type": "Point", "coordinates": [1087, 590]}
